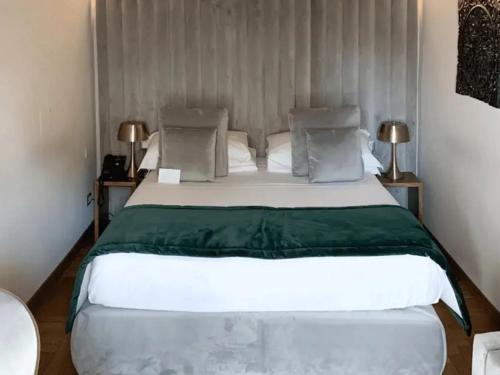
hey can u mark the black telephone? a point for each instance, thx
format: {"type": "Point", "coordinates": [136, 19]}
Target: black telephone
{"type": "Point", "coordinates": [113, 168]}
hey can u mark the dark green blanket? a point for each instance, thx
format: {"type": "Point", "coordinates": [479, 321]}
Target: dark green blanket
{"type": "Point", "coordinates": [269, 233]}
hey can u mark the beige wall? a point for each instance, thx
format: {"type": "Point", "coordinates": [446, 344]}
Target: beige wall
{"type": "Point", "coordinates": [459, 156]}
{"type": "Point", "coordinates": [47, 157]}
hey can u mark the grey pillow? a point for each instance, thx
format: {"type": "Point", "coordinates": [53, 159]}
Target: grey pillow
{"type": "Point", "coordinates": [202, 118]}
{"type": "Point", "coordinates": [316, 118]}
{"type": "Point", "coordinates": [334, 155]}
{"type": "Point", "coordinates": [192, 150]}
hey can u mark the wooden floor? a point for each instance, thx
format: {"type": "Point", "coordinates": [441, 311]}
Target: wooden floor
{"type": "Point", "coordinates": [50, 313]}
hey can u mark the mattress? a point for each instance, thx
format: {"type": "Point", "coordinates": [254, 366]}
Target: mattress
{"type": "Point", "coordinates": [120, 341]}
{"type": "Point", "coordinates": [257, 285]}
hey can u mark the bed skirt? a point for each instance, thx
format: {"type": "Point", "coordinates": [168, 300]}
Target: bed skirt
{"type": "Point", "coordinates": [121, 341]}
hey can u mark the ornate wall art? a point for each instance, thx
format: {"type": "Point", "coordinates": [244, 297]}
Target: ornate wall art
{"type": "Point", "coordinates": [478, 73]}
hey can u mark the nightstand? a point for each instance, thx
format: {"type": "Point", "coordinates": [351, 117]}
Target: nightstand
{"type": "Point", "coordinates": [411, 182]}
{"type": "Point", "coordinates": [130, 184]}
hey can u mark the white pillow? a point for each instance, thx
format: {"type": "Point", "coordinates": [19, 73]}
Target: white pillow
{"type": "Point", "coordinates": [279, 153]}
{"type": "Point", "coordinates": [274, 167]}
{"type": "Point", "coordinates": [241, 157]}
{"type": "Point", "coordinates": [237, 143]}
{"type": "Point", "coordinates": [238, 136]}
{"type": "Point", "coordinates": [152, 137]}
{"type": "Point", "coordinates": [372, 165]}
{"type": "Point", "coordinates": [150, 160]}
{"type": "Point", "coordinates": [238, 151]}
{"type": "Point", "coordinates": [249, 166]}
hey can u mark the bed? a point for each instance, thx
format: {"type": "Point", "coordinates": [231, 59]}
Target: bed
{"type": "Point", "coordinates": [144, 313]}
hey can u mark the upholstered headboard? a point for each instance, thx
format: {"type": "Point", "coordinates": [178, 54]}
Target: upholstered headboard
{"type": "Point", "coordinates": [258, 59]}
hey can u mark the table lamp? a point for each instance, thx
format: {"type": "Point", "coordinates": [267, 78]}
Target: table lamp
{"type": "Point", "coordinates": [393, 132]}
{"type": "Point", "coordinates": [132, 131]}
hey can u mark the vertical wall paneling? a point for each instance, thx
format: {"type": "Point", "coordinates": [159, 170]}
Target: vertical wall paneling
{"type": "Point", "coordinates": [318, 52]}
{"type": "Point", "coordinates": [162, 64]}
{"type": "Point", "coordinates": [271, 66]}
{"type": "Point", "coordinates": [383, 67]}
{"type": "Point", "coordinates": [398, 69]}
{"type": "Point", "coordinates": [255, 97]}
{"type": "Point", "coordinates": [302, 53]}
{"type": "Point", "coordinates": [367, 63]}
{"type": "Point", "coordinates": [103, 82]}
{"type": "Point", "coordinates": [412, 49]}
{"type": "Point", "coordinates": [287, 60]}
{"type": "Point", "coordinates": [350, 53]}
{"type": "Point", "coordinates": [115, 72]}
{"type": "Point", "coordinates": [131, 56]}
{"type": "Point", "coordinates": [193, 60]}
{"type": "Point", "coordinates": [334, 46]}
{"type": "Point", "coordinates": [226, 42]}
{"type": "Point", "coordinates": [147, 59]}
{"type": "Point", "coordinates": [179, 53]}
{"type": "Point", "coordinates": [208, 51]}
{"type": "Point", "coordinates": [259, 59]}
{"type": "Point", "coordinates": [240, 70]}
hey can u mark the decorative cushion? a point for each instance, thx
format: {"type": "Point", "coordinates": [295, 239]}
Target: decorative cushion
{"type": "Point", "coordinates": [202, 118]}
{"type": "Point", "coordinates": [318, 118]}
{"type": "Point", "coordinates": [334, 155]}
{"type": "Point", "coordinates": [192, 150]}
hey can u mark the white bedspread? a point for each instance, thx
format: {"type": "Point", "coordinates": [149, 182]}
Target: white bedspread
{"type": "Point", "coordinates": [191, 284]}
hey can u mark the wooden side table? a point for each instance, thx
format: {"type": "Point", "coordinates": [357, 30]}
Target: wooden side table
{"type": "Point", "coordinates": [131, 184]}
{"type": "Point", "coordinates": [409, 181]}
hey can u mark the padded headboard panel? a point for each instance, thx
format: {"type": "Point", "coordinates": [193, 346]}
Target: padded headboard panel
{"type": "Point", "coordinates": [258, 59]}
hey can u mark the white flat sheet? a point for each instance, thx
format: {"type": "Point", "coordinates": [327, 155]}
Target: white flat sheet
{"type": "Point", "coordinates": [263, 188]}
{"type": "Point", "coordinates": [244, 284]}
{"type": "Point", "coordinates": [256, 285]}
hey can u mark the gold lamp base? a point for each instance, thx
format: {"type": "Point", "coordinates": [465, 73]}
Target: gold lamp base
{"type": "Point", "coordinates": [393, 173]}
{"type": "Point", "coordinates": [132, 169]}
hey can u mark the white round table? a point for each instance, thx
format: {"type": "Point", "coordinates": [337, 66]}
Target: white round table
{"type": "Point", "coordinates": [19, 338]}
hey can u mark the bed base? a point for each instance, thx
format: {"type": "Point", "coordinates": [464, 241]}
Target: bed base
{"type": "Point", "coordinates": [120, 341]}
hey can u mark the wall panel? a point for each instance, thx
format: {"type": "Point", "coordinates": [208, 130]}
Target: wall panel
{"type": "Point", "coordinates": [258, 58]}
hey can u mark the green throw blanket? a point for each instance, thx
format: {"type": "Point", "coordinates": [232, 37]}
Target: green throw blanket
{"type": "Point", "coordinates": [268, 233]}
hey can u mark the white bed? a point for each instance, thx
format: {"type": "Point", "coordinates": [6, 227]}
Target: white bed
{"type": "Point", "coordinates": [214, 284]}
{"type": "Point", "coordinates": [388, 287]}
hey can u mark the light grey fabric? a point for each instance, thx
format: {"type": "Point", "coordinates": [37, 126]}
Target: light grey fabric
{"type": "Point", "coordinates": [202, 118]}
{"type": "Point", "coordinates": [486, 354]}
{"type": "Point", "coordinates": [316, 118]}
{"type": "Point", "coordinates": [192, 150]}
{"type": "Point", "coordinates": [334, 155]}
{"type": "Point", "coordinates": [259, 59]}
{"type": "Point", "coordinates": [392, 342]}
